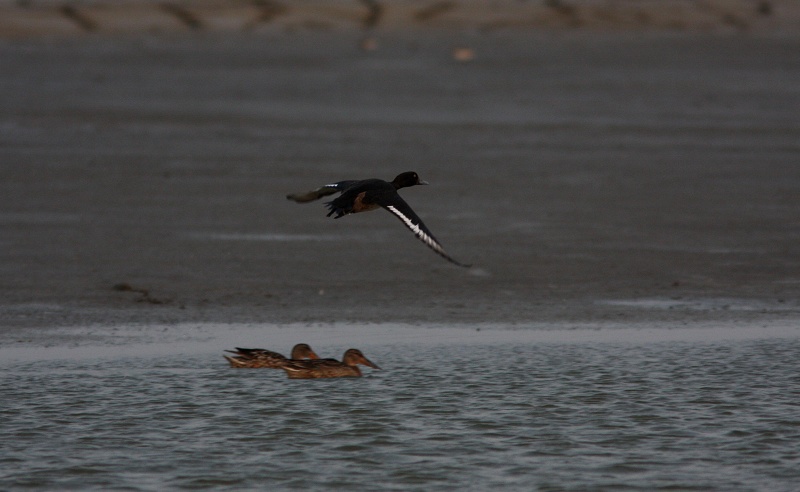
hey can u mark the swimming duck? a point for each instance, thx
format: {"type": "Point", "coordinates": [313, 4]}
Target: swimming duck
{"type": "Point", "coordinates": [328, 368]}
{"type": "Point", "coordinates": [370, 194]}
{"type": "Point", "coordinates": [263, 358]}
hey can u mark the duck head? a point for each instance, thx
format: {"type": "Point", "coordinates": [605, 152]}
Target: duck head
{"type": "Point", "coordinates": [354, 356]}
{"type": "Point", "coordinates": [406, 179]}
{"type": "Point", "coordinates": [303, 351]}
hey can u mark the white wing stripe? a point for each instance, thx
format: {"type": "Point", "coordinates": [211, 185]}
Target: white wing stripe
{"type": "Point", "coordinates": [417, 230]}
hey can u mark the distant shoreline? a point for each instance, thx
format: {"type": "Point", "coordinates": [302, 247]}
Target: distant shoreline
{"type": "Point", "coordinates": [48, 18]}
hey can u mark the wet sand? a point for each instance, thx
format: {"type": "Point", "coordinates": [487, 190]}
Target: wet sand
{"type": "Point", "coordinates": [588, 176]}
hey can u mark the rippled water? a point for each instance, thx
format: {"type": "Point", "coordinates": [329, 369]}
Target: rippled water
{"type": "Point", "coordinates": [454, 408]}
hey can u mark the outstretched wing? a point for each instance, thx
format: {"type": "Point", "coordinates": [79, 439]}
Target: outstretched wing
{"type": "Point", "coordinates": [328, 189]}
{"type": "Point", "coordinates": [400, 208]}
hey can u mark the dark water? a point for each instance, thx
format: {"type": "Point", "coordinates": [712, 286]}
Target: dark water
{"type": "Point", "coordinates": [454, 408]}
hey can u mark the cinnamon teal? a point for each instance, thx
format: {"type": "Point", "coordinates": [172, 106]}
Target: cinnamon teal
{"type": "Point", "coordinates": [328, 368]}
{"type": "Point", "coordinates": [263, 358]}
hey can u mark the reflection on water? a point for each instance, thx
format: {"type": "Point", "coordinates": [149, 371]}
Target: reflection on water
{"type": "Point", "coordinates": [521, 409]}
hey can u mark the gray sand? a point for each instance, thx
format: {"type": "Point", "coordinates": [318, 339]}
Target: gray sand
{"type": "Point", "coordinates": [587, 176]}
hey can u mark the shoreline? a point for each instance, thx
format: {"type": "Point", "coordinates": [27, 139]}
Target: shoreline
{"type": "Point", "coordinates": [98, 342]}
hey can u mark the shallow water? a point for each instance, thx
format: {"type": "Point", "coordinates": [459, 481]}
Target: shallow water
{"type": "Point", "coordinates": [476, 408]}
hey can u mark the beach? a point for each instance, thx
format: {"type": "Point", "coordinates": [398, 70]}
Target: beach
{"type": "Point", "coordinates": [586, 175]}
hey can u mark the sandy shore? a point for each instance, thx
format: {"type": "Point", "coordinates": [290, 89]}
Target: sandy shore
{"type": "Point", "coordinates": [589, 177]}
{"type": "Point", "coordinates": [34, 18]}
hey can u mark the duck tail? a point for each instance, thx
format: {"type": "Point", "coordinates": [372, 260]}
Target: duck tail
{"type": "Point", "coordinates": [310, 196]}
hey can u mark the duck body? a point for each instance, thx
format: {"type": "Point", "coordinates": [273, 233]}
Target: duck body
{"type": "Point", "coordinates": [258, 358]}
{"type": "Point", "coordinates": [370, 194]}
{"type": "Point", "coordinates": [362, 196]}
{"type": "Point", "coordinates": [328, 368]}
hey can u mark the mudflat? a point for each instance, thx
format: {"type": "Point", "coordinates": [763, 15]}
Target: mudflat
{"type": "Point", "coordinates": [587, 176]}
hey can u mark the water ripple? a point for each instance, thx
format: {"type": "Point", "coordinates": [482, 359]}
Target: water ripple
{"type": "Point", "coordinates": [568, 416]}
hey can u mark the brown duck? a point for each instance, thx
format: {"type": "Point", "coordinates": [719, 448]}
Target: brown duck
{"type": "Point", "coordinates": [263, 358]}
{"type": "Point", "coordinates": [328, 368]}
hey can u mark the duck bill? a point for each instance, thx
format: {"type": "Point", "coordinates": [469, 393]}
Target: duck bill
{"type": "Point", "coordinates": [313, 355]}
{"type": "Point", "coordinates": [369, 363]}
{"type": "Point", "coordinates": [420, 182]}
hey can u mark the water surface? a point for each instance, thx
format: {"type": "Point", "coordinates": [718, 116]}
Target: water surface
{"type": "Point", "coordinates": [467, 407]}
